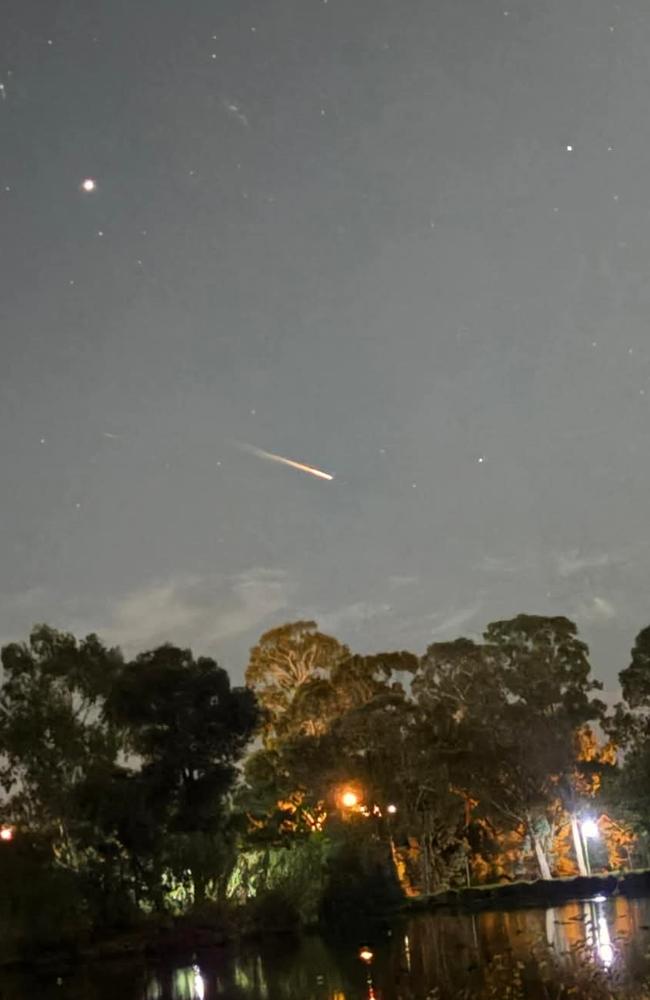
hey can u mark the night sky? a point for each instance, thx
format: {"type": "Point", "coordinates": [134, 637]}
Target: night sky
{"type": "Point", "coordinates": [407, 243]}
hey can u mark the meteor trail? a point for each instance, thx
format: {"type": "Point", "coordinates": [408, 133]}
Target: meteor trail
{"type": "Point", "coordinates": [300, 466]}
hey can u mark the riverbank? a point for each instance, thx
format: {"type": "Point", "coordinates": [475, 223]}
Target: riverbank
{"type": "Point", "coordinates": [455, 955]}
{"type": "Point", "coordinates": [215, 927]}
{"type": "Point", "coordinates": [541, 893]}
{"type": "Point", "coordinates": [156, 937]}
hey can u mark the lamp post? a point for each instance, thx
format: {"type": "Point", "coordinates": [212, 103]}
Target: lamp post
{"type": "Point", "coordinates": [366, 955]}
{"type": "Point", "coordinates": [391, 810]}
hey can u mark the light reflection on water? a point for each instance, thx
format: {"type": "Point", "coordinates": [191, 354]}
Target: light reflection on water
{"type": "Point", "coordinates": [421, 953]}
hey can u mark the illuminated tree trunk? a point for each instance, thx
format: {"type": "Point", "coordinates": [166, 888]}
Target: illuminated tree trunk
{"type": "Point", "coordinates": [577, 845]}
{"type": "Point", "coordinates": [426, 863]}
{"type": "Point", "coordinates": [542, 860]}
{"type": "Point", "coordinates": [540, 853]}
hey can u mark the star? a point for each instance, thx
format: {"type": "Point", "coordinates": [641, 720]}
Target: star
{"type": "Point", "coordinates": [88, 185]}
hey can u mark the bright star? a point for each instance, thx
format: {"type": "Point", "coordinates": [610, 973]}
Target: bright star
{"type": "Point", "coordinates": [88, 185]}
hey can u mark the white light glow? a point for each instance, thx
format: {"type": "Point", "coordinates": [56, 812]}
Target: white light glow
{"type": "Point", "coordinates": [88, 185]}
{"type": "Point", "coordinates": [605, 950]}
{"type": "Point", "coordinates": [199, 983]}
{"type": "Point", "coordinates": [590, 829]}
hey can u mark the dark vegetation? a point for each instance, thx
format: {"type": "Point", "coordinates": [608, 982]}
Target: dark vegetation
{"type": "Point", "coordinates": [151, 801]}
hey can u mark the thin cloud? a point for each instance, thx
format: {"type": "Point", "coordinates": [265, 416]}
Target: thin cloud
{"type": "Point", "coordinates": [351, 616]}
{"type": "Point", "coordinates": [454, 620]}
{"type": "Point", "coordinates": [235, 111]}
{"type": "Point", "coordinates": [402, 581]}
{"type": "Point", "coordinates": [196, 610]}
{"type": "Point", "coordinates": [598, 610]}
{"type": "Point", "coordinates": [505, 564]}
{"type": "Point", "coordinates": [570, 563]}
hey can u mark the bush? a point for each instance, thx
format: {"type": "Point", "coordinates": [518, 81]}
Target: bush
{"type": "Point", "coordinates": [297, 872]}
{"type": "Point", "coordinates": [41, 906]}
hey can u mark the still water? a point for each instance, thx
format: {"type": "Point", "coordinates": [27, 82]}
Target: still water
{"type": "Point", "coordinates": [417, 955]}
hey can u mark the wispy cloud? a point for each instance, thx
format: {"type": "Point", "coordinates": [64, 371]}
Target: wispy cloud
{"type": "Point", "coordinates": [402, 581]}
{"type": "Point", "coordinates": [197, 610]}
{"type": "Point", "coordinates": [453, 620]}
{"type": "Point", "coordinates": [570, 563]}
{"type": "Point", "coordinates": [506, 565]}
{"type": "Point", "coordinates": [235, 111]}
{"type": "Point", "coordinates": [351, 616]}
{"type": "Point", "coordinates": [597, 610]}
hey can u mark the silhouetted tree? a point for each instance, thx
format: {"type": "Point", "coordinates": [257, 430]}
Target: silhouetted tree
{"type": "Point", "coordinates": [53, 732]}
{"type": "Point", "coordinates": [188, 728]}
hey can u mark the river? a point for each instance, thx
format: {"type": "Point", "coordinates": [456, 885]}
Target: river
{"type": "Point", "coordinates": [410, 960]}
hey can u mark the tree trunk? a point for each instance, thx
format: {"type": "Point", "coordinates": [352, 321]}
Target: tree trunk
{"type": "Point", "coordinates": [199, 880]}
{"type": "Point", "coordinates": [426, 877]}
{"type": "Point", "coordinates": [540, 854]}
{"type": "Point", "coordinates": [577, 845]}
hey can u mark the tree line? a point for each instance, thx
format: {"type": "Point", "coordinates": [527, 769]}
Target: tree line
{"type": "Point", "coordinates": [153, 785]}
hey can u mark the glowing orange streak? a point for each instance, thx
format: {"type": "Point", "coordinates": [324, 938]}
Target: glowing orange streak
{"type": "Point", "coordinates": [288, 461]}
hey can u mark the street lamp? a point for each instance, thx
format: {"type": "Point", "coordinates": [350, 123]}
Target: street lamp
{"type": "Point", "coordinates": [366, 955]}
{"type": "Point", "coordinates": [6, 834]}
{"type": "Point", "coordinates": [391, 809]}
{"type": "Point", "coordinates": [349, 799]}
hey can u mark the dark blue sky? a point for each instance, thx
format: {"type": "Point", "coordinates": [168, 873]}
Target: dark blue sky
{"type": "Point", "coordinates": [407, 242]}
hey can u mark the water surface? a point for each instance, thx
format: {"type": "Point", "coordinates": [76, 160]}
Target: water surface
{"type": "Point", "coordinates": [411, 959]}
